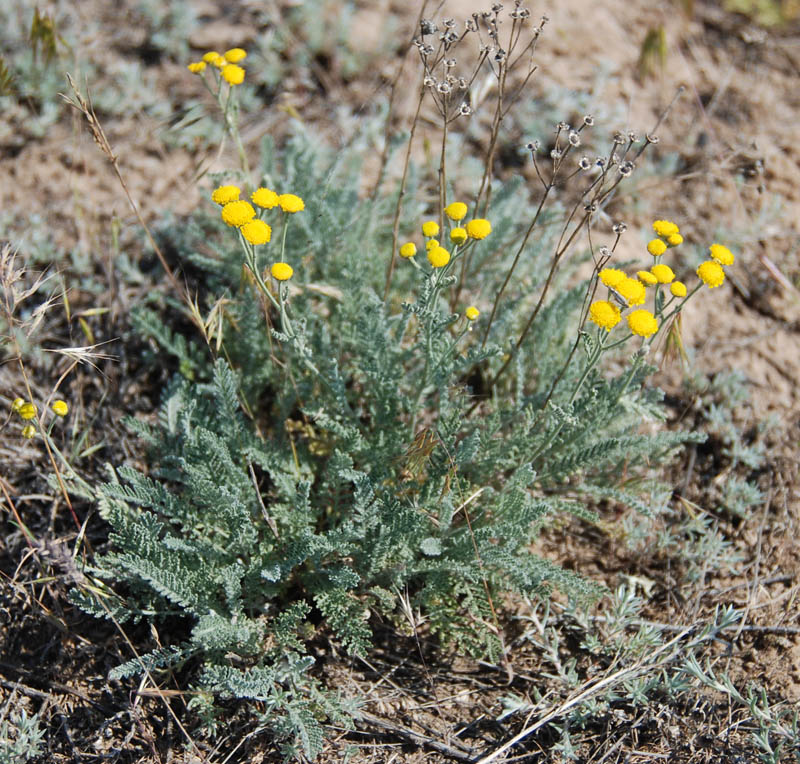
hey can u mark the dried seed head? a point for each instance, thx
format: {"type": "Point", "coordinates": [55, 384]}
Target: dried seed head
{"type": "Point", "coordinates": [600, 161]}
{"type": "Point", "coordinates": [500, 55]}
{"type": "Point", "coordinates": [562, 126]}
{"type": "Point", "coordinates": [619, 228]}
{"type": "Point", "coordinates": [651, 138]}
{"type": "Point", "coordinates": [532, 146]}
{"type": "Point", "coordinates": [449, 63]}
{"type": "Point", "coordinates": [619, 138]}
{"type": "Point", "coordinates": [574, 138]}
{"type": "Point", "coordinates": [429, 82]}
{"type": "Point", "coordinates": [449, 23]}
{"type": "Point", "coordinates": [426, 50]}
{"type": "Point", "coordinates": [584, 164]}
{"type": "Point", "coordinates": [590, 207]}
{"type": "Point", "coordinates": [462, 84]}
{"type": "Point", "coordinates": [555, 154]}
{"type": "Point", "coordinates": [449, 37]}
{"type": "Point", "coordinates": [465, 110]}
{"type": "Point", "coordinates": [625, 169]}
{"type": "Point", "coordinates": [443, 88]}
{"type": "Point", "coordinates": [451, 80]}
{"type": "Point", "coordinates": [632, 136]}
{"type": "Point", "coordinates": [428, 27]}
{"type": "Point", "coordinates": [588, 120]}
{"type": "Point", "coordinates": [497, 7]}
{"type": "Point", "coordinates": [604, 251]}
{"type": "Point", "coordinates": [524, 13]}
{"type": "Point", "coordinates": [470, 25]}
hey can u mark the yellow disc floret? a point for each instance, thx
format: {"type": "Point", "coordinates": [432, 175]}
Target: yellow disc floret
{"type": "Point", "coordinates": [236, 214]}
{"type": "Point", "coordinates": [632, 290]}
{"type": "Point", "coordinates": [647, 278]}
{"type": "Point", "coordinates": [663, 273]}
{"type": "Point", "coordinates": [721, 254]}
{"type": "Point", "coordinates": [60, 408]}
{"type": "Point", "coordinates": [256, 232]}
{"type": "Point", "coordinates": [235, 55]}
{"type": "Point", "coordinates": [478, 228]}
{"type": "Point", "coordinates": [197, 67]}
{"type": "Point", "coordinates": [438, 257]}
{"type": "Point", "coordinates": [611, 276]}
{"type": "Point", "coordinates": [291, 203]}
{"type": "Point", "coordinates": [233, 74]}
{"type": "Point", "coordinates": [674, 239]}
{"type": "Point", "coordinates": [281, 271]}
{"type": "Point", "coordinates": [656, 247]}
{"type": "Point", "coordinates": [458, 235]}
{"type": "Point", "coordinates": [643, 323]}
{"type": "Point", "coordinates": [409, 249]}
{"type": "Point", "coordinates": [430, 228]}
{"type": "Point", "coordinates": [17, 404]}
{"type": "Point", "coordinates": [456, 211]}
{"type": "Point", "coordinates": [472, 313]}
{"type": "Point", "coordinates": [605, 314]}
{"type": "Point", "coordinates": [711, 273]}
{"type": "Point", "coordinates": [431, 244]}
{"type": "Point", "coordinates": [27, 411]}
{"type": "Point", "coordinates": [225, 194]}
{"type": "Point", "coordinates": [211, 57]}
{"type": "Point", "coordinates": [665, 228]}
{"type": "Point", "coordinates": [678, 288]}
{"type": "Point", "coordinates": [28, 431]}
{"type": "Point", "coordinates": [265, 197]}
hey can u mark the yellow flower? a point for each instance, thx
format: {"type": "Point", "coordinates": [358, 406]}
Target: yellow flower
{"type": "Point", "coordinates": [611, 276]}
{"type": "Point", "coordinates": [409, 249]}
{"type": "Point", "coordinates": [28, 431]}
{"type": "Point", "coordinates": [27, 411]}
{"type": "Point", "coordinates": [456, 210]}
{"type": "Point", "coordinates": [238, 213]}
{"type": "Point", "coordinates": [711, 273]}
{"type": "Point", "coordinates": [211, 57]}
{"type": "Point", "coordinates": [232, 74]}
{"type": "Point", "coordinates": [225, 194]}
{"type": "Point", "coordinates": [647, 278]}
{"type": "Point", "coordinates": [656, 247]}
{"type": "Point", "coordinates": [642, 322]}
{"type": "Point", "coordinates": [663, 273]}
{"type": "Point", "coordinates": [471, 312]}
{"type": "Point", "coordinates": [430, 228]}
{"type": "Point", "coordinates": [197, 67]}
{"type": "Point", "coordinates": [632, 290]}
{"type": "Point", "coordinates": [60, 408]}
{"type": "Point", "coordinates": [721, 254]}
{"type": "Point", "coordinates": [458, 235]}
{"type": "Point", "coordinates": [265, 197]}
{"type": "Point", "coordinates": [235, 55]}
{"type": "Point", "coordinates": [281, 271]}
{"type": "Point", "coordinates": [438, 257]}
{"type": "Point", "coordinates": [256, 232]}
{"type": "Point", "coordinates": [678, 288]}
{"type": "Point", "coordinates": [665, 228]}
{"type": "Point", "coordinates": [605, 314]}
{"type": "Point", "coordinates": [479, 228]}
{"type": "Point", "coordinates": [291, 203]}
{"type": "Point", "coordinates": [674, 239]}
{"type": "Point", "coordinates": [431, 244]}
{"type": "Point", "coordinates": [17, 404]}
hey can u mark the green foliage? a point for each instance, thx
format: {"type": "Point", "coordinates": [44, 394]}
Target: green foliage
{"type": "Point", "coordinates": [20, 736]}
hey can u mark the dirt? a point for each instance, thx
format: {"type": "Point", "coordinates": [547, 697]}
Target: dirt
{"type": "Point", "coordinates": [737, 180]}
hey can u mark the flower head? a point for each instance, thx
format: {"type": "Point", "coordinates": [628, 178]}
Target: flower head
{"type": "Point", "coordinates": [225, 194]}
{"type": "Point", "coordinates": [674, 239]}
{"type": "Point", "coordinates": [678, 288]}
{"type": "Point", "coordinates": [27, 411]}
{"type": "Point", "coordinates": [458, 235]}
{"type": "Point", "coordinates": [656, 247]}
{"type": "Point", "coordinates": [438, 257]}
{"type": "Point", "coordinates": [611, 276]}
{"type": "Point", "coordinates": [233, 74]}
{"type": "Point", "coordinates": [478, 228]}
{"type": "Point", "coordinates": [646, 278]}
{"type": "Point", "coordinates": [721, 254]}
{"type": "Point", "coordinates": [235, 55]}
{"type": "Point", "coordinates": [291, 203]}
{"type": "Point", "coordinates": [472, 313]}
{"type": "Point", "coordinates": [605, 314]}
{"type": "Point", "coordinates": [211, 57]}
{"type": "Point", "coordinates": [663, 273]}
{"type": "Point", "coordinates": [632, 290]}
{"type": "Point", "coordinates": [17, 404]}
{"type": "Point", "coordinates": [430, 228]}
{"type": "Point", "coordinates": [60, 408]}
{"type": "Point", "coordinates": [665, 228]}
{"type": "Point", "coordinates": [456, 210]}
{"type": "Point", "coordinates": [642, 322]}
{"type": "Point", "coordinates": [265, 197]}
{"type": "Point", "coordinates": [281, 271]}
{"type": "Point", "coordinates": [28, 431]}
{"type": "Point", "coordinates": [256, 232]}
{"type": "Point", "coordinates": [236, 214]}
{"type": "Point", "coordinates": [409, 249]}
{"type": "Point", "coordinates": [431, 243]}
{"type": "Point", "coordinates": [196, 67]}
{"type": "Point", "coordinates": [711, 273]}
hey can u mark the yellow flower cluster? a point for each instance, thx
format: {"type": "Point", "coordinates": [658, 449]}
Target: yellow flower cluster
{"type": "Point", "coordinates": [225, 63]}
{"type": "Point", "coordinates": [27, 411]}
